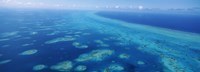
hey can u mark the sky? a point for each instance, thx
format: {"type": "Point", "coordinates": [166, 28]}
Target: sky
{"type": "Point", "coordinates": [95, 4]}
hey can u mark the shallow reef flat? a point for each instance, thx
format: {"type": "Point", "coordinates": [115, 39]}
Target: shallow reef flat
{"type": "Point", "coordinates": [5, 61]}
{"type": "Point", "coordinates": [114, 68]}
{"type": "Point", "coordinates": [95, 55]}
{"type": "Point", "coordinates": [81, 68]}
{"type": "Point", "coordinates": [61, 39]}
{"type": "Point", "coordinates": [29, 52]}
{"type": "Point", "coordinates": [9, 34]}
{"type": "Point", "coordinates": [79, 45]}
{"type": "Point", "coordinates": [124, 56]}
{"type": "Point", "coordinates": [39, 67]}
{"type": "Point", "coordinates": [64, 66]}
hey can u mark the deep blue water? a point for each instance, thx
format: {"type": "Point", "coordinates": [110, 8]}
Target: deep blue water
{"type": "Point", "coordinates": [182, 22]}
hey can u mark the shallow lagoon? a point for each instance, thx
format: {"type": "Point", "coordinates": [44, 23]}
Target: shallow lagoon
{"type": "Point", "coordinates": [83, 41]}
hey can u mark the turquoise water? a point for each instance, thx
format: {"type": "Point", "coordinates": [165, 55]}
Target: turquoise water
{"type": "Point", "coordinates": [81, 41]}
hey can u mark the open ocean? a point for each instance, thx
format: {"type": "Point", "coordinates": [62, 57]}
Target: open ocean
{"type": "Point", "coordinates": [86, 41]}
{"type": "Point", "coordinates": [185, 22]}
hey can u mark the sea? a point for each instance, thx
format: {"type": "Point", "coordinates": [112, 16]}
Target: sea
{"type": "Point", "coordinates": [98, 41]}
